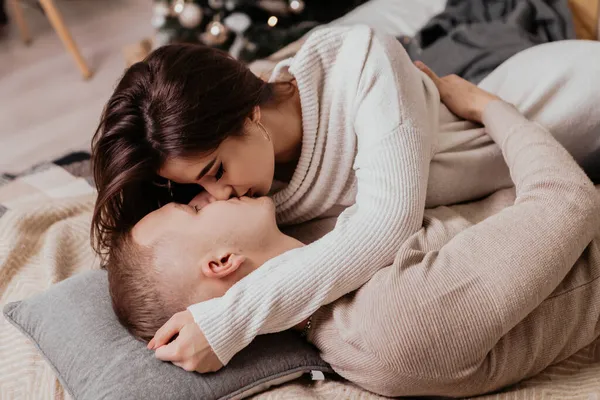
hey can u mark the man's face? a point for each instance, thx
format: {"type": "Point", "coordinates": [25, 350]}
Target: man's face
{"type": "Point", "coordinates": [190, 241]}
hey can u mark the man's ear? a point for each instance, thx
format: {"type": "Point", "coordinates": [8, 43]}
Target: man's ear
{"type": "Point", "coordinates": [223, 266]}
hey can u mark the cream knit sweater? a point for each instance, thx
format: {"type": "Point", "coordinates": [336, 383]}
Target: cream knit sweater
{"type": "Point", "coordinates": [369, 118]}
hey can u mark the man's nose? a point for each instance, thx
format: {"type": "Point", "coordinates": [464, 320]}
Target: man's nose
{"type": "Point", "coordinates": [220, 191]}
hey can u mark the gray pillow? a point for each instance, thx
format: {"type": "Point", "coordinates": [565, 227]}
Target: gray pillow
{"type": "Point", "coordinates": [74, 327]}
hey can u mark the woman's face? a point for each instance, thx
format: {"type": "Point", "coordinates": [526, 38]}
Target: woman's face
{"type": "Point", "coordinates": [242, 165]}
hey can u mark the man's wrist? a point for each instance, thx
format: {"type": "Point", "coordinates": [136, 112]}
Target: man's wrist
{"type": "Point", "coordinates": [483, 105]}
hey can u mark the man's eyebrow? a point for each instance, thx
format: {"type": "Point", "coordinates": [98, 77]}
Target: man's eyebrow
{"type": "Point", "coordinates": [182, 207]}
{"type": "Point", "coordinates": [206, 169]}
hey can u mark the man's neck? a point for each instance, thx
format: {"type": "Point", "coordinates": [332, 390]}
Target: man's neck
{"type": "Point", "coordinates": [277, 247]}
{"type": "Point", "coordinates": [281, 244]}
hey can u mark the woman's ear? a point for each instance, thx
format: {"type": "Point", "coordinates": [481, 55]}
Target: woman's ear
{"type": "Point", "coordinates": [255, 116]}
{"type": "Point", "coordinates": [223, 266]}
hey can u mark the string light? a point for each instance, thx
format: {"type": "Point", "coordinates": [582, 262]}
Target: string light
{"type": "Point", "coordinates": [216, 29]}
{"type": "Point", "coordinates": [178, 6]}
{"type": "Point", "coordinates": [297, 6]}
{"type": "Point", "coordinates": [272, 21]}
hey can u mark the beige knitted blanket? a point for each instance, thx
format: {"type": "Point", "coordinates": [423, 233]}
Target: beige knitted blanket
{"type": "Point", "coordinates": [44, 238]}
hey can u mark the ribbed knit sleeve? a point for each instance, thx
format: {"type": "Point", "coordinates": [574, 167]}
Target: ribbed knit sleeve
{"type": "Point", "coordinates": [427, 323]}
{"type": "Point", "coordinates": [394, 131]}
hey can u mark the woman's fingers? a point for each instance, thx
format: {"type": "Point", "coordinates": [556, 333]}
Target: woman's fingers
{"type": "Point", "coordinates": [187, 366]}
{"type": "Point", "coordinates": [169, 352]}
{"type": "Point", "coordinates": [170, 328]}
{"type": "Point", "coordinates": [179, 364]}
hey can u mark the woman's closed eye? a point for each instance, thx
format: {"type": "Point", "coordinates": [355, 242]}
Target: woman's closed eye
{"type": "Point", "coordinates": [220, 172]}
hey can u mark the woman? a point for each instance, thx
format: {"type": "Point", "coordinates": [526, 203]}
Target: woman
{"type": "Point", "coordinates": [354, 130]}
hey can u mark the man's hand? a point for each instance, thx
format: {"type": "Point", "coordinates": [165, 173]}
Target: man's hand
{"type": "Point", "coordinates": [190, 350]}
{"type": "Point", "coordinates": [460, 96]}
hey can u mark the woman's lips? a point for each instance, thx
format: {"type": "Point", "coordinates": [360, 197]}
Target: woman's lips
{"type": "Point", "coordinates": [252, 193]}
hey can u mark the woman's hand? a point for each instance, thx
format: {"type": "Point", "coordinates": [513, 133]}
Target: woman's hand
{"type": "Point", "coordinates": [201, 200]}
{"type": "Point", "coordinates": [460, 96]}
{"type": "Point", "coordinates": [190, 350]}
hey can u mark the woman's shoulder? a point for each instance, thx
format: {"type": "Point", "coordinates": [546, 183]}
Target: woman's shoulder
{"type": "Point", "coordinates": [338, 33]}
{"type": "Point", "coordinates": [351, 41]}
{"type": "Point", "coordinates": [330, 46]}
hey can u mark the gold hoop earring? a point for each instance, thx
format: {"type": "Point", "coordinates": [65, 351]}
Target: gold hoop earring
{"type": "Point", "coordinates": [265, 132]}
{"type": "Point", "coordinates": [170, 188]}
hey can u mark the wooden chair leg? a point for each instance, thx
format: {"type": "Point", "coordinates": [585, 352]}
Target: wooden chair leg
{"type": "Point", "coordinates": [61, 29]}
{"type": "Point", "coordinates": [17, 13]}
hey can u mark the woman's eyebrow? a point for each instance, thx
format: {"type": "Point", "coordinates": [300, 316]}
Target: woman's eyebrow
{"type": "Point", "coordinates": [206, 169]}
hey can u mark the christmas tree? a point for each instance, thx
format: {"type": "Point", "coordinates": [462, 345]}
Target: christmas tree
{"type": "Point", "coordinates": [246, 29]}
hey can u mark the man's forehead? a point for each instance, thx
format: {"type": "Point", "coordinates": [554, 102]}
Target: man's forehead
{"type": "Point", "coordinates": [153, 226]}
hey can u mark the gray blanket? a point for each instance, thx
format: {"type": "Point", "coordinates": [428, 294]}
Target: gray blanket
{"type": "Point", "coordinates": [471, 38]}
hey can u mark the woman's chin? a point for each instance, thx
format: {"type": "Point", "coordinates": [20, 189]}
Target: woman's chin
{"type": "Point", "coordinates": [259, 192]}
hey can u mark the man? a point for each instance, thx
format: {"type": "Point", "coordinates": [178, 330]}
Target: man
{"type": "Point", "coordinates": [483, 296]}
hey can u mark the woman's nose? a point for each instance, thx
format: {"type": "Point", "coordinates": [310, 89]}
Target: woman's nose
{"type": "Point", "coordinates": [219, 191]}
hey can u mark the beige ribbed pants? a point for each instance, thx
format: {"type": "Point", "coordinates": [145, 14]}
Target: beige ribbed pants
{"type": "Point", "coordinates": [482, 298]}
{"type": "Point", "coordinates": [556, 84]}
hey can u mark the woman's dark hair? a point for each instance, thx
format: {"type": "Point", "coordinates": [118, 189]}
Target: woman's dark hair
{"type": "Point", "coordinates": [183, 100]}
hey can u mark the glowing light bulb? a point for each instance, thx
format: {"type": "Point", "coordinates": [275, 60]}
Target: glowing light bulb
{"type": "Point", "coordinates": [272, 21]}
{"type": "Point", "coordinates": [215, 30]}
{"type": "Point", "coordinates": [297, 6]}
{"type": "Point", "coordinates": [178, 7]}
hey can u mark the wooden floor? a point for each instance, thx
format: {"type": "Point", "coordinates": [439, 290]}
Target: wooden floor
{"type": "Point", "coordinates": [46, 108]}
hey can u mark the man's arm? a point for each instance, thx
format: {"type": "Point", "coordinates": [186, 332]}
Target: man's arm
{"type": "Point", "coordinates": [427, 324]}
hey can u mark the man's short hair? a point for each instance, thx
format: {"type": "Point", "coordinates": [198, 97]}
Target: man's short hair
{"type": "Point", "coordinates": [140, 298]}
